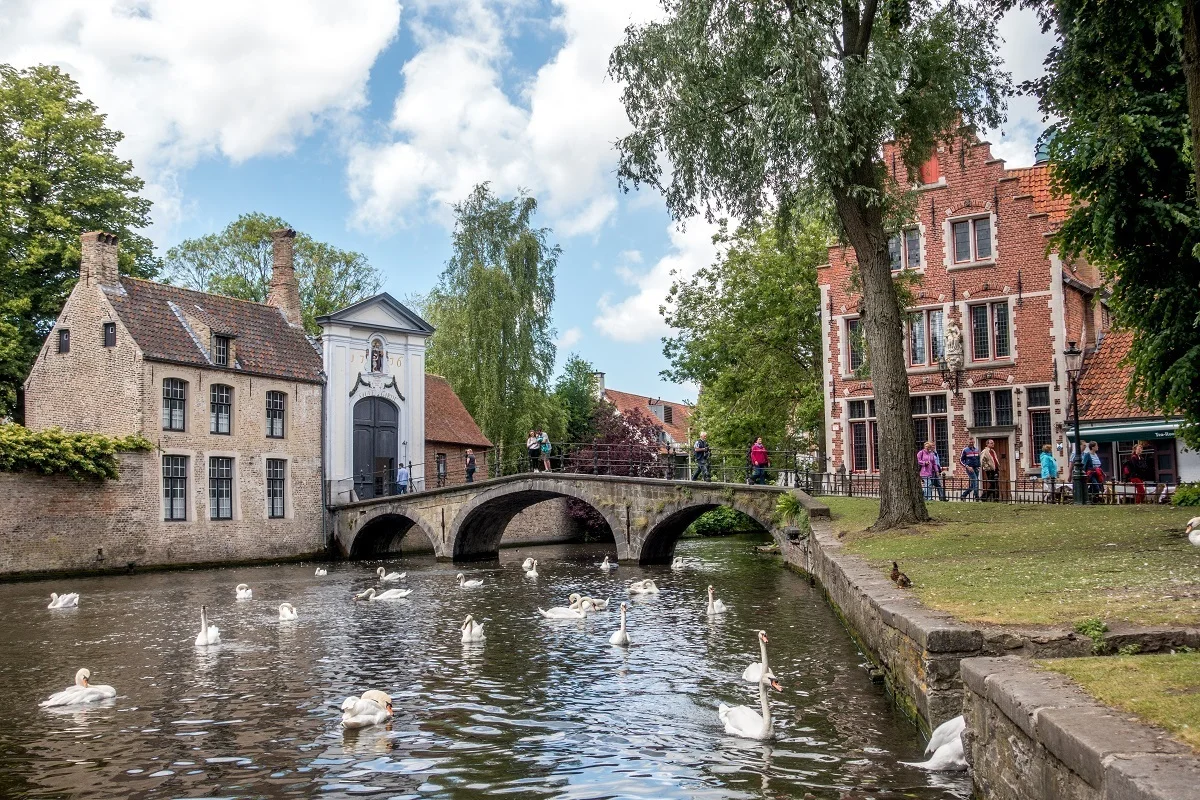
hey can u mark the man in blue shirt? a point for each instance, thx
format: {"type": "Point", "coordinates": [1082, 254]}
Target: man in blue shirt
{"type": "Point", "coordinates": [702, 451]}
{"type": "Point", "coordinates": [970, 461]}
{"type": "Point", "coordinates": [402, 480]}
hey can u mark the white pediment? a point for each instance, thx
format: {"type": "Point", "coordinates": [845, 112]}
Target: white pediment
{"type": "Point", "coordinates": [380, 313]}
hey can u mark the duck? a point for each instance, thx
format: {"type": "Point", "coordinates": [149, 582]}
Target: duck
{"type": "Point", "coordinates": [373, 708]}
{"type": "Point", "coordinates": [899, 578]}
{"type": "Point", "coordinates": [946, 746]}
{"type": "Point", "coordinates": [1193, 531]}
{"type": "Point", "coordinates": [390, 577]}
{"type": "Point", "coordinates": [463, 583]}
{"type": "Point", "coordinates": [472, 631]}
{"type": "Point", "coordinates": [677, 563]}
{"type": "Point", "coordinates": [69, 600]}
{"type": "Point", "coordinates": [82, 692]}
{"type": "Point", "coordinates": [244, 592]}
{"type": "Point", "coordinates": [287, 612]}
{"type": "Point", "coordinates": [744, 721]}
{"type": "Point", "coordinates": [321, 572]}
{"type": "Point", "coordinates": [755, 671]}
{"type": "Point", "coordinates": [527, 564]}
{"type": "Point", "coordinates": [643, 587]}
{"type": "Point", "coordinates": [391, 594]}
{"type": "Point", "coordinates": [606, 565]}
{"type": "Point", "coordinates": [209, 634]}
{"type": "Point", "coordinates": [562, 612]}
{"type": "Point", "coordinates": [715, 606]}
{"type": "Point", "coordinates": [620, 638]}
{"type": "Point", "coordinates": [530, 573]}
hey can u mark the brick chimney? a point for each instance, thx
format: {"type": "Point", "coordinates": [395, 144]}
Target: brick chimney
{"type": "Point", "coordinates": [98, 264]}
{"type": "Point", "coordinates": [285, 288]}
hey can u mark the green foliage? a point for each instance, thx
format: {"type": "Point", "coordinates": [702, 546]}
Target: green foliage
{"type": "Point", "coordinates": [55, 452]}
{"type": "Point", "coordinates": [237, 262]}
{"type": "Point", "coordinates": [788, 509]}
{"type": "Point", "coordinates": [1186, 494]}
{"type": "Point", "coordinates": [575, 392]}
{"type": "Point", "coordinates": [492, 310]}
{"type": "Point", "coordinates": [748, 330]}
{"type": "Point", "coordinates": [59, 177]}
{"type": "Point", "coordinates": [1094, 628]}
{"type": "Point", "coordinates": [1131, 649]}
{"type": "Point", "coordinates": [722, 522]}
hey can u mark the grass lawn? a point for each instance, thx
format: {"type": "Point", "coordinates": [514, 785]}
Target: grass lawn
{"type": "Point", "coordinates": [1039, 564]}
{"type": "Point", "coordinates": [1162, 690]}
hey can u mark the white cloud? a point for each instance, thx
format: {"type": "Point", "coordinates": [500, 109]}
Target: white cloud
{"type": "Point", "coordinates": [636, 318]}
{"type": "Point", "coordinates": [569, 338]}
{"type": "Point", "coordinates": [185, 81]}
{"type": "Point", "coordinates": [1023, 48]}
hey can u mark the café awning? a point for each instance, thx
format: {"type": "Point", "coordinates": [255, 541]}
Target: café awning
{"type": "Point", "coordinates": [1124, 431]}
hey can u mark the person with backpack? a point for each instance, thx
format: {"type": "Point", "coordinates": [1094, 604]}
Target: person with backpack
{"type": "Point", "coordinates": [759, 461]}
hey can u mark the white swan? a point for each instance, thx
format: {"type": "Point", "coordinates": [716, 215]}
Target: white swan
{"type": "Point", "coordinates": [606, 565]}
{"type": "Point", "coordinates": [620, 638]}
{"type": "Point", "coordinates": [754, 672]}
{"type": "Point", "coordinates": [321, 572]}
{"type": "Point", "coordinates": [714, 606]}
{"type": "Point", "coordinates": [1193, 531]}
{"type": "Point", "coordinates": [82, 692]}
{"type": "Point", "coordinates": [390, 577]}
{"type": "Point", "coordinates": [946, 746]}
{"type": "Point", "coordinates": [70, 600]}
{"type": "Point", "coordinates": [562, 612]}
{"type": "Point", "coordinates": [287, 612]}
{"type": "Point", "coordinates": [527, 564]}
{"type": "Point", "coordinates": [391, 594]}
{"type": "Point", "coordinates": [643, 587]}
{"type": "Point", "coordinates": [744, 721]}
{"type": "Point", "coordinates": [463, 583]}
{"type": "Point", "coordinates": [574, 600]}
{"type": "Point", "coordinates": [677, 563]}
{"type": "Point", "coordinates": [209, 634]}
{"type": "Point", "coordinates": [529, 573]}
{"type": "Point", "coordinates": [244, 592]}
{"type": "Point", "coordinates": [598, 605]}
{"type": "Point", "coordinates": [472, 631]}
{"type": "Point", "coordinates": [373, 708]}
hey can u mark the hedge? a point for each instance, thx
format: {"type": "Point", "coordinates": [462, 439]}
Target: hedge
{"type": "Point", "coordinates": [56, 452]}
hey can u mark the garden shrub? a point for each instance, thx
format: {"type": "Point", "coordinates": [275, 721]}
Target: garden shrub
{"type": "Point", "coordinates": [56, 452]}
{"type": "Point", "coordinates": [1186, 494]}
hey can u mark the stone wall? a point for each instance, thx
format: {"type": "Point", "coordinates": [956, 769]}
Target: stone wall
{"type": "Point", "coordinates": [543, 523]}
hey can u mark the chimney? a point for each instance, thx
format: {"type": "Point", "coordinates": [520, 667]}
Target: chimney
{"type": "Point", "coordinates": [285, 289]}
{"type": "Point", "coordinates": [598, 384]}
{"type": "Point", "coordinates": [98, 263]}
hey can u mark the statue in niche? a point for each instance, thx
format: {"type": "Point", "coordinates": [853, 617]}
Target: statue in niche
{"type": "Point", "coordinates": [954, 346]}
{"type": "Point", "coordinates": [376, 357]}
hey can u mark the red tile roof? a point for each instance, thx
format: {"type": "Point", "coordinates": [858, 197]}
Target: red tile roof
{"type": "Point", "coordinates": [1105, 381]}
{"type": "Point", "coordinates": [265, 345]}
{"type": "Point", "coordinates": [446, 418]}
{"type": "Point", "coordinates": [1035, 181]}
{"type": "Point", "coordinates": [681, 413]}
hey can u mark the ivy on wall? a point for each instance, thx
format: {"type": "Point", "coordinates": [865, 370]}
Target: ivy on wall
{"type": "Point", "coordinates": [56, 452]}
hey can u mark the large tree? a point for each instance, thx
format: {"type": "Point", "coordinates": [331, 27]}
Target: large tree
{"type": "Point", "coordinates": [749, 333]}
{"type": "Point", "coordinates": [491, 307]}
{"type": "Point", "coordinates": [237, 262]}
{"type": "Point", "coordinates": [575, 392]}
{"type": "Point", "coordinates": [59, 177]}
{"type": "Point", "coordinates": [759, 104]}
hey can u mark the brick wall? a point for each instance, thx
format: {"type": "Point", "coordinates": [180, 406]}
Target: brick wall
{"type": "Point", "coordinates": [455, 463]}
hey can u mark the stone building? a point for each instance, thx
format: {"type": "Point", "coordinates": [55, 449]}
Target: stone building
{"type": "Point", "coordinates": [992, 313]}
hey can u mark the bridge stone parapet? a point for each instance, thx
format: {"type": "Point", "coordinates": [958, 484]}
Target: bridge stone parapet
{"type": "Point", "coordinates": [466, 523]}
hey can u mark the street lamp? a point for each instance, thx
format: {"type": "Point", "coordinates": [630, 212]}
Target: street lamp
{"type": "Point", "coordinates": [1074, 358]}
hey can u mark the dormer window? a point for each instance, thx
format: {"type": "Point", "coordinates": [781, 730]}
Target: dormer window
{"type": "Point", "coordinates": [220, 350]}
{"type": "Point", "coordinates": [668, 413]}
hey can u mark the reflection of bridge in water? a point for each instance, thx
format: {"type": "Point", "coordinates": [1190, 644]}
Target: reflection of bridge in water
{"type": "Point", "coordinates": [465, 523]}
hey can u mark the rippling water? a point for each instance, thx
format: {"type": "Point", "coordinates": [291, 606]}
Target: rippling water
{"type": "Point", "coordinates": [541, 709]}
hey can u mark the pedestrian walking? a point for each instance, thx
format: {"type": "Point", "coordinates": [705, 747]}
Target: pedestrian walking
{"type": "Point", "coordinates": [969, 458]}
{"type": "Point", "coordinates": [402, 480]}
{"type": "Point", "coordinates": [989, 462]}
{"type": "Point", "coordinates": [1138, 470]}
{"type": "Point", "coordinates": [701, 452]}
{"type": "Point", "coordinates": [931, 471]}
{"type": "Point", "coordinates": [544, 446]}
{"type": "Point", "coordinates": [469, 463]}
{"type": "Point", "coordinates": [533, 445]}
{"type": "Point", "coordinates": [759, 461]}
{"type": "Point", "coordinates": [1049, 471]}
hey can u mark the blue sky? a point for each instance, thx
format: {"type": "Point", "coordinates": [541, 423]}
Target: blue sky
{"type": "Point", "coordinates": [362, 121]}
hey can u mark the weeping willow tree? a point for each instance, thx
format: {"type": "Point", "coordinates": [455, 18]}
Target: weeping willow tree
{"type": "Point", "coordinates": [491, 308]}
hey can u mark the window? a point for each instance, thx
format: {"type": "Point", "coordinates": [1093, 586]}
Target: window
{"type": "Point", "coordinates": [904, 248]}
{"type": "Point", "coordinates": [931, 424]}
{"type": "Point", "coordinates": [276, 402]}
{"type": "Point", "coordinates": [221, 351]}
{"type": "Point", "coordinates": [926, 337]}
{"type": "Point", "coordinates": [275, 479]}
{"type": "Point", "coordinates": [855, 344]}
{"type": "Point", "coordinates": [992, 408]}
{"type": "Point", "coordinates": [1038, 401]}
{"type": "Point", "coordinates": [990, 332]}
{"type": "Point", "coordinates": [110, 334]}
{"type": "Point", "coordinates": [972, 239]}
{"type": "Point", "coordinates": [64, 341]}
{"type": "Point", "coordinates": [174, 473]}
{"type": "Point", "coordinates": [222, 402]}
{"type": "Point", "coordinates": [174, 404]}
{"type": "Point", "coordinates": [864, 436]}
{"type": "Point", "coordinates": [668, 415]}
{"type": "Point", "coordinates": [930, 171]}
{"type": "Point", "coordinates": [220, 487]}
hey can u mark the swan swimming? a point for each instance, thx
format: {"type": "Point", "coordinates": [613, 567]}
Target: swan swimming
{"type": "Point", "coordinates": [744, 721]}
{"type": "Point", "coordinates": [321, 572]}
{"type": "Point", "coordinates": [620, 638]}
{"type": "Point", "coordinates": [643, 587]}
{"type": "Point", "coordinates": [390, 577]}
{"type": "Point", "coordinates": [946, 746]}
{"type": "Point", "coordinates": [754, 672]}
{"type": "Point", "coordinates": [391, 594]}
{"type": "Point", "coordinates": [527, 564]}
{"type": "Point", "coordinates": [597, 605]}
{"type": "Point", "coordinates": [373, 708]}
{"type": "Point", "coordinates": [287, 612]}
{"type": "Point", "coordinates": [244, 592]}
{"type": "Point", "coordinates": [562, 612]}
{"type": "Point", "coordinates": [463, 583]}
{"type": "Point", "coordinates": [677, 563]}
{"type": "Point", "coordinates": [472, 631]}
{"type": "Point", "coordinates": [82, 692]}
{"type": "Point", "coordinates": [574, 600]}
{"type": "Point", "coordinates": [606, 565]}
{"type": "Point", "coordinates": [529, 573]}
{"type": "Point", "coordinates": [714, 606]}
{"type": "Point", "coordinates": [209, 634]}
{"type": "Point", "coordinates": [70, 600]}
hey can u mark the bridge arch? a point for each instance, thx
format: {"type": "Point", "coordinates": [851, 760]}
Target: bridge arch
{"type": "Point", "coordinates": [658, 546]}
{"type": "Point", "coordinates": [380, 531]}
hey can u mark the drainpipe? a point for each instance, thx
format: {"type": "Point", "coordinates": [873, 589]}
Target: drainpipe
{"type": "Point", "coordinates": [324, 484]}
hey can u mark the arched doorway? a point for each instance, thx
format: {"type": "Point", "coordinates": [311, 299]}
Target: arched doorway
{"type": "Point", "coordinates": [376, 432]}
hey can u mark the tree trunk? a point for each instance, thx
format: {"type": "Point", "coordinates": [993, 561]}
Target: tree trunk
{"type": "Point", "coordinates": [1191, 71]}
{"type": "Point", "coordinates": [900, 499]}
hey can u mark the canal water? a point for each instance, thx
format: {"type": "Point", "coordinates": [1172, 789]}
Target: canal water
{"type": "Point", "coordinates": [541, 709]}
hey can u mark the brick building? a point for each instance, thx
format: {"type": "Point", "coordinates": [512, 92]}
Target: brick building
{"type": "Point", "coordinates": [450, 431]}
{"type": "Point", "coordinates": [976, 249]}
{"type": "Point", "coordinates": [675, 419]}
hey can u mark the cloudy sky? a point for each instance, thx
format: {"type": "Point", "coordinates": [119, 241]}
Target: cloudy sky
{"type": "Point", "coordinates": [362, 121]}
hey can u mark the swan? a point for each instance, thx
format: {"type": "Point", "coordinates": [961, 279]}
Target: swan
{"type": "Point", "coordinates": [321, 572]}
{"type": "Point", "coordinates": [373, 708]}
{"type": "Point", "coordinates": [620, 638]}
{"type": "Point", "coordinates": [287, 612]}
{"type": "Point", "coordinates": [643, 587]}
{"type": "Point", "coordinates": [82, 692]}
{"type": "Point", "coordinates": [463, 583]}
{"type": "Point", "coordinates": [574, 600]}
{"type": "Point", "coordinates": [472, 631]}
{"type": "Point", "coordinates": [390, 577]}
{"type": "Point", "coordinates": [562, 612]}
{"type": "Point", "coordinates": [677, 563]}
{"type": "Point", "coordinates": [527, 564]}
{"type": "Point", "coordinates": [244, 592]}
{"type": "Point", "coordinates": [70, 600]}
{"type": "Point", "coordinates": [390, 594]}
{"type": "Point", "coordinates": [946, 746]}
{"type": "Point", "coordinates": [714, 606]}
{"type": "Point", "coordinates": [209, 634]}
{"type": "Point", "coordinates": [530, 573]}
{"type": "Point", "coordinates": [598, 605]}
{"type": "Point", "coordinates": [755, 671]}
{"type": "Point", "coordinates": [606, 565]}
{"type": "Point", "coordinates": [744, 721]}
{"type": "Point", "coordinates": [1193, 531]}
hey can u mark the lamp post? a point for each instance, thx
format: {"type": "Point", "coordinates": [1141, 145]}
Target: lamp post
{"type": "Point", "coordinates": [1074, 358]}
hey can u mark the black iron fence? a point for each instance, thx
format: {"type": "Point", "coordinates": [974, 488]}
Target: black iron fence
{"type": "Point", "coordinates": [963, 489]}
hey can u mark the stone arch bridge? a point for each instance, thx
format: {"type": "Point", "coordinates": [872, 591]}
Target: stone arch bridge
{"type": "Point", "coordinates": [465, 523]}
